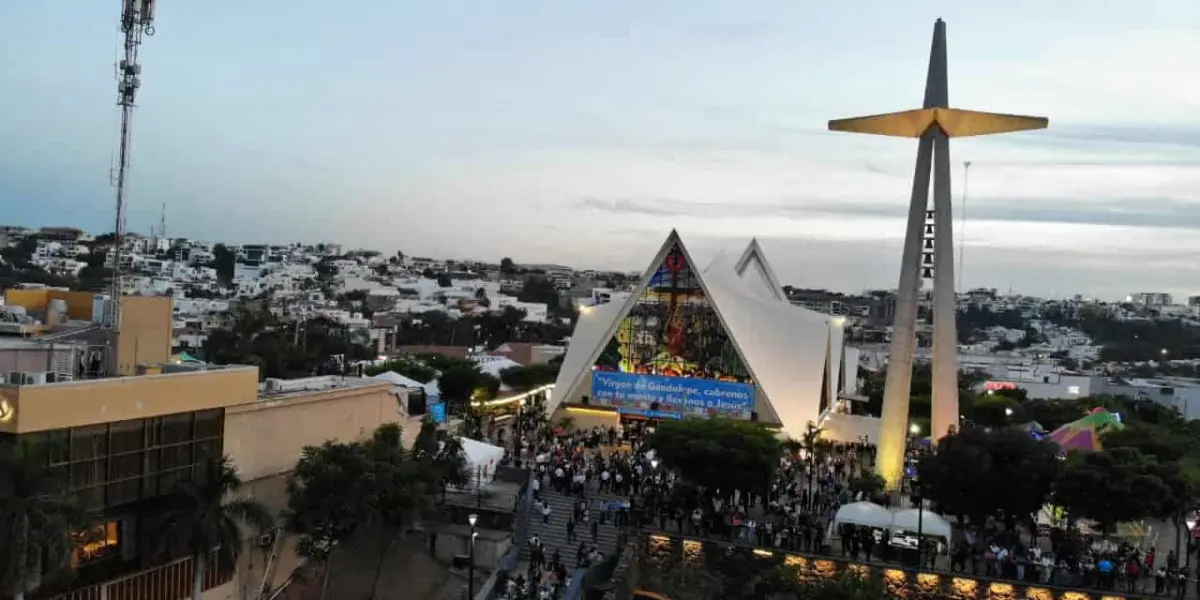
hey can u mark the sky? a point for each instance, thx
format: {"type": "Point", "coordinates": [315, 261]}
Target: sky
{"type": "Point", "coordinates": [580, 132]}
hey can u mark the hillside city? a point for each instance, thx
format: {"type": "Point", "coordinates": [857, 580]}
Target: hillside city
{"type": "Point", "coordinates": [393, 303]}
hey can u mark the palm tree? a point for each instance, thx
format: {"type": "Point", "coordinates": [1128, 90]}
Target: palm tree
{"type": "Point", "coordinates": [211, 518]}
{"type": "Point", "coordinates": [37, 521]}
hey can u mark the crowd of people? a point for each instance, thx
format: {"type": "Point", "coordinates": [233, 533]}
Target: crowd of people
{"type": "Point", "coordinates": [614, 478]}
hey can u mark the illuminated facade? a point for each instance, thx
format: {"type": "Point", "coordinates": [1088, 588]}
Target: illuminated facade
{"type": "Point", "coordinates": [693, 343]}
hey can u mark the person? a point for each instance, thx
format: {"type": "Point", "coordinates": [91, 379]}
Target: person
{"type": "Point", "coordinates": [1105, 569]}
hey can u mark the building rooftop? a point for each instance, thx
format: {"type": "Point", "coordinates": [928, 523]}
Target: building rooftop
{"type": "Point", "coordinates": [280, 389]}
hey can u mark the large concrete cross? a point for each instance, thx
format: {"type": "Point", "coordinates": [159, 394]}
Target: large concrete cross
{"type": "Point", "coordinates": [933, 125]}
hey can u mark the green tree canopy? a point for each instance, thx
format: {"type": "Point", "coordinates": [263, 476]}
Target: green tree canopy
{"type": "Point", "coordinates": [1110, 487]}
{"type": "Point", "coordinates": [979, 473]}
{"type": "Point", "coordinates": [529, 376]}
{"type": "Point", "coordinates": [719, 453]}
{"type": "Point", "coordinates": [224, 262]}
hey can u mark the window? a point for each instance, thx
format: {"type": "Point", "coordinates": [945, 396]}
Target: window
{"type": "Point", "coordinates": [97, 543]}
{"type": "Point", "coordinates": [89, 442]}
{"type": "Point", "coordinates": [126, 436]}
{"type": "Point", "coordinates": [176, 429]}
{"type": "Point", "coordinates": [209, 424]}
{"type": "Point", "coordinates": [118, 463]}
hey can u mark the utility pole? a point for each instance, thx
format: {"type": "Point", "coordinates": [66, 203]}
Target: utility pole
{"type": "Point", "coordinates": [137, 22]}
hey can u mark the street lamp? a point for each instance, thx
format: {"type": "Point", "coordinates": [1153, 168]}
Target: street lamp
{"type": "Point", "coordinates": [914, 429]}
{"type": "Point", "coordinates": [471, 518]}
{"type": "Point", "coordinates": [1008, 411]}
{"type": "Point", "coordinates": [654, 463]}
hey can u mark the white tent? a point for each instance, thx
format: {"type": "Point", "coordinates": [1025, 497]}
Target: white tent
{"type": "Point", "coordinates": [399, 380]}
{"type": "Point", "coordinates": [867, 514]}
{"type": "Point", "coordinates": [482, 460]}
{"type": "Point", "coordinates": [931, 523]}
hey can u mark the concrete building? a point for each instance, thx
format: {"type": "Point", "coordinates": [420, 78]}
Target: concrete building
{"type": "Point", "coordinates": [691, 343]}
{"type": "Point", "coordinates": [127, 443]}
{"type": "Point", "coordinates": [1150, 299]}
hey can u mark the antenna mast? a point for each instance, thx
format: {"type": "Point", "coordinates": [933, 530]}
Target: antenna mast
{"type": "Point", "coordinates": [137, 21]}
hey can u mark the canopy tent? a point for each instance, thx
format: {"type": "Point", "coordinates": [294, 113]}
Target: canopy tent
{"type": "Point", "coordinates": [184, 357]}
{"type": "Point", "coordinates": [866, 514]}
{"type": "Point", "coordinates": [482, 459]}
{"type": "Point", "coordinates": [399, 380]}
{"type": "Point", "coordinates": [1084, 434]}
{"type": "Point", "coordinates": [930, 523]}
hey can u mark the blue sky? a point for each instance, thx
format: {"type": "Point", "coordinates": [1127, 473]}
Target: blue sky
{"type": "Point", "coordinates": [582, 132]}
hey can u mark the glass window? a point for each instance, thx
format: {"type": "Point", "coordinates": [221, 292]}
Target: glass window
{"type": "Point", "coordinates": [170, 481]}
{"type": "Point", "coordinates": [91, 499]}
{"type": "Point", "coordinates": [89, 442]}
{"type": "Point", "coordinates": [177, 429]}
{"type": "Point", "coordinates": [125, 466]}
{"type": "Point", "coordinates": [123, 492]}
{"type": "Point", "coordinates": [126, 436]}
{"type": "Point", "coordinates": [207, 449]}
{"type": "Point", "coordinates": [87, 473]}
{"type": "Point", "coordinates": [58, 446]}
{"type": "Point", "coordinates": [209, 424]}
{"type": "Point", "coordinates": [97, 543]}
{"type": "Point", "coordinates": [176, 456]}
{"type": "Point", "coordinates": [153, 432]}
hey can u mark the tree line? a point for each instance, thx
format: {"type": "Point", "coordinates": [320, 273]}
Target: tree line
{"type": "Point", "coordinates": [338, 491]}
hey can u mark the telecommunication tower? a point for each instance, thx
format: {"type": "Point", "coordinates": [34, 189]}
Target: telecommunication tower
{"type": "Point", "coordinates": [137, 22]}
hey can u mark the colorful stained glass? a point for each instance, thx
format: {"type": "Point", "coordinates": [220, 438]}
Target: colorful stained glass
{"type": "Point", "coordinates": [673, 330]}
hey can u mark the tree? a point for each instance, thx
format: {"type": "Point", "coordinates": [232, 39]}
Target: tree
{"type": "Point", "coordinates": [225, 262]}
{"type": "Point", "coordinates": [443, 280]}
{"type": "Point", "coordinates": [1109, 487]}
{"type": "Point", "coordinates": [211, 518]}
{"type": "Point", "coordinates": [506, 265]}
{"type": "Point", "coordinates": [719, 453]}
{"type": "Point", "coordinates": [814, 446]}
{"type": "Point", "coordinates": [326, 499]}
{"type": "Point", "coordinates": [997, 411]}
{"type": "Point", "coordinates": [528, 377]}
{"type": "Point", "coordinates": [978, 473]}
{"type": "Point", "coordinates": [458, 383]}
{"type": "Point", "coordinates": [408, 367]}
{"type": "Point", "coordinates": [396, 492]}
{"type": "Point", "coordinates": [442, 458]}
{"type": "Point", "coordinates": [38, 521]}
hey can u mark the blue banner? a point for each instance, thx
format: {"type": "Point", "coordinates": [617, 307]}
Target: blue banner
{"type": "Point", "coordinates": [437, 411]}
{"type": "Point", "coordinates": [679, 394]}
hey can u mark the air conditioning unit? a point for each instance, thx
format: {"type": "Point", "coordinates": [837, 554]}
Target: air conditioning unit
{"type": "Point", "coordinates": [32, 378]}
{"type": "Point", "coordinates": [273, 384]}
{"type": "Point", "coordinates": [57, 376]}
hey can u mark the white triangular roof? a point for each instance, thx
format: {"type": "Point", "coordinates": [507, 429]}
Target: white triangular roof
{"type": "Point", "coordinates": [783, 346]}
{"type": "Point", "coordinates": [753, 268]}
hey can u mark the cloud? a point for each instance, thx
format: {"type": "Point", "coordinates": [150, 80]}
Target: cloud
{"type": "Point", "coordinates": [1173, 213]}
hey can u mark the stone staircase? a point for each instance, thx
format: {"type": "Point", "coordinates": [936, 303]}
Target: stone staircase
{"type": "Point", "coordinates": [554, 534]}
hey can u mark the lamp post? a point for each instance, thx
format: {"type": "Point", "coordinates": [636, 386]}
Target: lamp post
{"type": "Point", "coordinates": [471, 518]}
{"type": "Point", "coordinates": [920, 524]}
